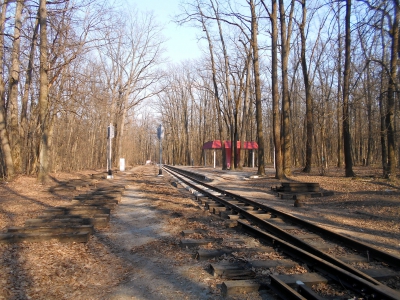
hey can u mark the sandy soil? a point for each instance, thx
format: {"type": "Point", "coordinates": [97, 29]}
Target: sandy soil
{"type": "Point", "coordinates": [138, 256]}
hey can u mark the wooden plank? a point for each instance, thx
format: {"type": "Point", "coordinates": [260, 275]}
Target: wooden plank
{"type": "Point", "coordinates": [97, 222]}
{"type": "Point", "coordinates": [193, 231]}
{"type": "Point", "coordinates": [231, 271]}
{"type": "Point", "coordinates": [352, 258]}
{"type": "Point", "coordinates": [257, 212]}
{"type": "Point", "coordinates": [9, 238]}
{"type": "Point", "coordinates": [54, 229]}
{"type": "Point", "coordinates": [308, 279]}
{"type": "Point", "coordinates": [75, 216]}
{"type": "Point", "coordinates": [287, 263]}
{"type": "Point", "coordinates": [381, 273]}
{"type": "Point", "coordinates": [308, 236]}
{"type": "Point", "coordinates": [250, 209]}
{"type": "Point", "coordinates": [191, 243]}
{"type": "Point", "coordinates": [237, 203]}
{"type": "Point", "coordinates": [281, 224]}
{"type": "Point", "coordinates": [93, 202]}
{"type": "Point", "coordinates": [205, 200]}
{"type": "Point", "coordinates": [295, 186]}
{"type": "Point", "coordinates": [230, 223]}
{"type": "Point", "coordinates": [205, 254]}
{"type": "Point", "coordinates": [225, 214]}
{"type": "Point", "coordinates": [218, 210]}
{"type": "Point", "coordinates": [97, 197]}
{"type": "Point", "coordinates": [211, 206]}
{"type": "Point", "coordinates": [232, 287]}
{"type": "Point", "coordinates": [285, 195]}
{"type": "Point", "coordinates": [77, 210]}
{"type": "Point", "coordinates": [322, 246]}
{"type": "Point", "coordinates": [237, 241]}
{"type": "Point", "coordinates": [103, 210]}
{"type": "Point", "coordinates": [264, 216]}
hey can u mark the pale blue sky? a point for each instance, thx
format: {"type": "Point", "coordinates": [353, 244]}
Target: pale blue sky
{"type": "Point", "coordinates": [182, 43]}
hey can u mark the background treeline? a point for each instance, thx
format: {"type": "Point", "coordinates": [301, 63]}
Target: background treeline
{"type": "Point", "coordinates": [313, 82]}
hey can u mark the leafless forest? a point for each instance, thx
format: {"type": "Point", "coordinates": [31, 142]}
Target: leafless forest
{"type": "Point", "coordinates": [314, 82]}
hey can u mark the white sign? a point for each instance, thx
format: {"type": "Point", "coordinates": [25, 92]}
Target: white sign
{"type": "Point", "coordinates": [110, 132]}
{"type": "Point", "coordinates": [122, 164]}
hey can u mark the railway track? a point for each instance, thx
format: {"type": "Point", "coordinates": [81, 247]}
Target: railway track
{"type": "Point", "coordinates": [330, 258]}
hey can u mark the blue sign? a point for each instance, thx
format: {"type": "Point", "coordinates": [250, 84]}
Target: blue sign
{"type": "Point", "coordinates": [160, 132]}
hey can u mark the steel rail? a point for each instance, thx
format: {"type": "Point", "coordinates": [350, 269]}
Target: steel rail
{"type": "Point", "coordinates": [338, 270]}
{"type": "Point", "coordinates": [370, 251]}
{"type": "Point", "coordinates": [328, 269]}
{"type": "Point", "coordinates": [282, 234]}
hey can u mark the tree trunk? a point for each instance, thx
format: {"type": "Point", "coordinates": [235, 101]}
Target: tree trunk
{"type": "Point", "coordinates": [391, 174]}
{"type": "Point", "coordinates": [13, 90]}
{"type": "Point", "coordinates": [309, 101]}
{"type": "Point", "coordinates": [275, 95]}
{"type": "Point", "coordinates": [216, 92]}
{"type": "Point", "coordinates": [339, 94]}
{"type": "Point", "coordinates": [226, 77]}
{"type": "Point", "coordinates": [24, 101]}
{"type": "Point", "coordinates": [122, 128]}
{"type": "Point", "coordinates": [5, 144]}
{"type": "Point", "coordinates": [285, 47]}
{"type": "Point", "coordinates": [346, 91]}
{"type": "Point", "coordinates": [43, 96]}
{"type": "Point", "coordinates": [257, 84]}
{"type": "Point", "coordinates": [368, 161]}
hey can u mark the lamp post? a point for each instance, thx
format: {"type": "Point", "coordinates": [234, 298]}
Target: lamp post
{"type": "Point", "coordinates": [160, 136]}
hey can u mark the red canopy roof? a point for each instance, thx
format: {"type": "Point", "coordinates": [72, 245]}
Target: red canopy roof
{"type": "Point", "coordinates": [217, 145]}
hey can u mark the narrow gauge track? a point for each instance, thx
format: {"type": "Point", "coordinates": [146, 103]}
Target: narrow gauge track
{"type": "Point", "coordinates": [259, 224]}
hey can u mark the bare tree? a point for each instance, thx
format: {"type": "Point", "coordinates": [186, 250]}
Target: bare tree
{"type": "Point", "coordinates": [286, 32]}
{"type": "Point", "coordinates": [276, 119]}
{"type": "Point", "coordinates": [256, 69]}
{"type": "Point", "coordinates": [43, 96]}
{"type": "Point", "coordinates": [346, 91]}
{"type": "Point", "coordinates": [307, 85]}
{"type": "Point", "coordinates": [217, 99]}
{"type": "Point", "coordinates": [129, 56]}
{"type": "Point", "coordinates": [13, 89]}
{"type": "Point", "coordinates": [394, 34]}
{"type": "Point", "coordinates": [5, 144]}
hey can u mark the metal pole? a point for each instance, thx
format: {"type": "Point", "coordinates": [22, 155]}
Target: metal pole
{"type": "Point", "coordinates": [160, 170]}
{"type": "Point", "coordinates": [160, 135]}
{"type": "Point", "coordinates": [109, 160]}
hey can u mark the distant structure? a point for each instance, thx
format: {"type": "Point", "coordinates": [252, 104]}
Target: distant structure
{"type": "Point", "coordinates": [228, 148]}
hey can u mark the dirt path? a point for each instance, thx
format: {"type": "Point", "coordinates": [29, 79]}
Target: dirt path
{"type": "Point", "coordinates": [137, 223]}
